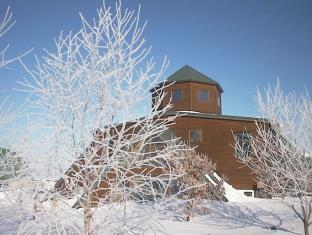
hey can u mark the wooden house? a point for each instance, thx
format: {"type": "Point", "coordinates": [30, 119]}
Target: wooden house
{"type": "Point", "coordinates": [198, 99]}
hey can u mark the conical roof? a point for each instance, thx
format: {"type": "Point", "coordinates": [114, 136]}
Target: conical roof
{"type": "Point", "coordinates": [189, 74]}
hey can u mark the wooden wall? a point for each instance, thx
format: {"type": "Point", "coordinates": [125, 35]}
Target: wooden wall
{"type": "Point", "coordinates": [217, 143]}
{"type": "Point", "coordinates": [190, 97]}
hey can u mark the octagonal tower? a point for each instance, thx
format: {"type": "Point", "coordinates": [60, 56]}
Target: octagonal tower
{"type": "Point", "coordinates": [192, 91]}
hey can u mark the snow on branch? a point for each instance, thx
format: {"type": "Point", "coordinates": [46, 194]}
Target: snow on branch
{"type": "Point", "coordinates": [281, 152]}
{"type": "Point", "coordinates": [86, 92]}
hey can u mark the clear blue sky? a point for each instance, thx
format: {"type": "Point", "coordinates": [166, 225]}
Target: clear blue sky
{"type": "Point", "coordinates": [242, 44]}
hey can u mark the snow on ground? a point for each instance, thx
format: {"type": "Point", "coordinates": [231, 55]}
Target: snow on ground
{"type": "Point", "coordinates": [223, 218]}
{"type": "Point", "coordinates": [248, 218]}
{"type": "Point", "coordinates": [234, 195]}
{"type": "Point", "coordinates": [241, 215]}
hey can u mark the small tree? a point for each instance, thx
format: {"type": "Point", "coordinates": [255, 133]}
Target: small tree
{"type": "Point", "coordinates": [10, 165]}
{"type": "Point", "coordinates": [91, 94]}
{"type": "Point", "coordinates": [197, 169]}
{"type": "Point", "coordinates": [281, 152]}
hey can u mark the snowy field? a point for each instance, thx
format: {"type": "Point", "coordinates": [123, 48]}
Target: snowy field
{"type": "Point", "coordinates": [240, 218]}
{"type": "Point", "coordinates": [241, 215]}
{"type": "Point", "coordinates": [252, 217]}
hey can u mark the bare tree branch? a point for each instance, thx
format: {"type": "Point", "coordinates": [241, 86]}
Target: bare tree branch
{"type": "Point", "coordinates": [281, 153]}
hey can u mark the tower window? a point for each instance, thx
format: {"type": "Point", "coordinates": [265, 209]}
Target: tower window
{"type": "Point", "coordinates": [176, 95]}
{"type": "Point", "coordinates": [203, 95]}
{"type": "Point", "coordinates": [196, 135]}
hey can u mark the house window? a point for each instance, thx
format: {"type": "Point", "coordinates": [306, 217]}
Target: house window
{"type": "Point", "coordinates": [196, 135]}
{"type": "Point", "coordinates": [248, 193]}
{"type": "Point", "coordinates": [176, 95]}
{"type": "Point", "coordinates": [243, 143]}
{"type": "Point", "coordinates": [219, 103]}
{"type": "Point", "coordinates": [203, 95]}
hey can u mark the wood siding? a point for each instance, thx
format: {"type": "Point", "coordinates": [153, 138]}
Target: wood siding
{"type": "Point", "coordinates": [190, 98]}
{"type": "Point", "coordinates": [217, 142]}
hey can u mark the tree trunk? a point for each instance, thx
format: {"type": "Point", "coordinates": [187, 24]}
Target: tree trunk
{"type": "Point", "coordinates": [87, 220]}
{"type": "Point", "coordinates": [306, 211]}
{"type": "Point", "coordinates": [188, 211]}
{"type": "Point", "coordinates": [306, 227]}
{"type": "Point", "coordinates": [125, 214]}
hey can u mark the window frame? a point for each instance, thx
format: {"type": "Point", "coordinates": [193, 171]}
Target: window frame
{"type": "Point", "coordinates": [172, 91]}
{"type": "Point", "coordinates": [200, 135]}
{"type": "Point", "coordinates": [199, 93]}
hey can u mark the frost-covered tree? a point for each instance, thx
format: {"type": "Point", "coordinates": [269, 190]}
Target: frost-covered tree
{"type": "Point", "coordinates": [6, 114]}
{"type": "Point", "coordinates": [8, 111]}
{"type": "Point", "coordinates": [12, 165]}
{"type": "Point", "coordinates": [106, 143]}
{"type": "Point", "coordinates": [281, 152]}
{"type": "Point", "coordinates": [6, 24]}
{"type": "Point", "coordinates": [10, 160]}
{"type": "Point", "coordinates": [197, 171]}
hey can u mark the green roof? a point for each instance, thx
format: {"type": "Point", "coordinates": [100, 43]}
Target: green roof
{"type": "Point", "coordinates": [188, 74]}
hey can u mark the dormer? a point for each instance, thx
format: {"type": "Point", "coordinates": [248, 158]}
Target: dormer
{"type": "Point", "coordinates": [192, 91]}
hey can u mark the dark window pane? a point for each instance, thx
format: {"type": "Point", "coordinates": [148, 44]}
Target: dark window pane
{"type": "Point", "coordinates": [195, 135]}
{"type": "Point", "coordinates": [176, 96]}
{"type": "Point", "coordinates": [248, 194]}
{"type": "Point", "coordinates": [203, 96]}
{"type": "Point", "coordinates": [244, 141]}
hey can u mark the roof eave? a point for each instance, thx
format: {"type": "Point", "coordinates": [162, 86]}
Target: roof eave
{"type": "Point", "coordinates": [185, 81]}
{"type": "Point", "coordinates": [215, 116]}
